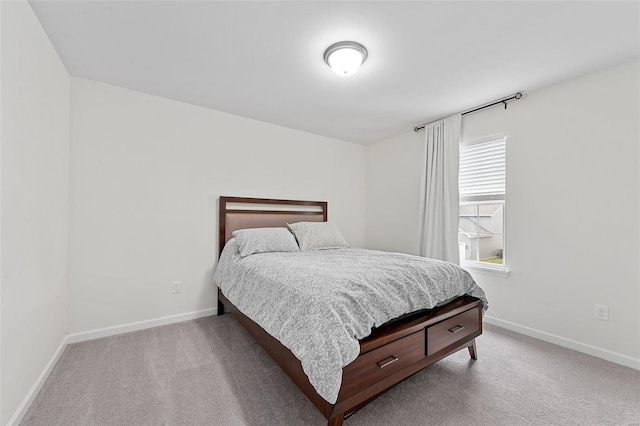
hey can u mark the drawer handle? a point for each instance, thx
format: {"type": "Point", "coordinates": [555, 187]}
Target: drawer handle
{"type": "Point", "coordinates": [456, 328]}
{"type": "Point", "coordinates": [387, 361]}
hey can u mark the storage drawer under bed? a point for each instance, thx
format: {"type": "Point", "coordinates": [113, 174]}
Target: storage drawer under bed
{"type": "Point", "coordinates": [384, 361]}
{"type": "Point", "coordinates": [452, 330]}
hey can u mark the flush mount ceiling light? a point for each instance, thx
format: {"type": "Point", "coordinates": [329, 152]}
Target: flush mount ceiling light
{"type": "Point", "coordinates": [345, 57]}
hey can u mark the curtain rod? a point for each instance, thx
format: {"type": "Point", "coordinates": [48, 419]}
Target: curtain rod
{"type": "Point", "coordinates": [499, 101]}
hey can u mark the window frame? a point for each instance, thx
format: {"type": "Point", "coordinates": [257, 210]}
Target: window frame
{"type": "Point", "coordinates": [500, 270]}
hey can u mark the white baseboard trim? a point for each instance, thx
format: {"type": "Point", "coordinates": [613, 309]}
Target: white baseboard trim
{"type": "Point", "coordinates": [33, 392]}
{"type": "Point", "coordinates": [606, 354]}
{"type": "Point", "coordinates": [139, 325]}
{"type": "Point", "coordinates": [95, 334]}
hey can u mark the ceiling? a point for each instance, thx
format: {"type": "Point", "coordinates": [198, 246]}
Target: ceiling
{"type": "Point", "coordinates": [264, 60]}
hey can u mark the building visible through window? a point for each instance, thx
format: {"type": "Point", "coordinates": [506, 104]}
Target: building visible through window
{"type": "Point", "coordinates": [480, 232]}
{"type": "Point", "coordinates": [482, 182]}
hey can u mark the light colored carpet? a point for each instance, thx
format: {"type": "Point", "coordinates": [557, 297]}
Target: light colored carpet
{"type": "Point", "coordinates": [211, 372]}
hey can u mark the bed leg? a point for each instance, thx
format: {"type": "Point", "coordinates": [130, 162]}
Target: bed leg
{"type": "Point", "coordinates": [220, 307]}
{"type": "Point", "coordinates": [336, 421]}
{"type": "Point", "coordinates": [472, 350]}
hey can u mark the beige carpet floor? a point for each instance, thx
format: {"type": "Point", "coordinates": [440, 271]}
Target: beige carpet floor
{"type": "Point", "coordinates": [211, 372]}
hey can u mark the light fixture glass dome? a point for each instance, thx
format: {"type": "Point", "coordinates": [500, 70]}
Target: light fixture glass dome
{"type": "Point", "coordinates": [345, 57]}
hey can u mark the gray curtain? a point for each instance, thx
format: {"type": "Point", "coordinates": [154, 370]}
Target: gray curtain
{"type": "Point", "coordinates": [439, 190]}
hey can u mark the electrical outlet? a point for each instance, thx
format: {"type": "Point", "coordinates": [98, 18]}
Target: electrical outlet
{"type": "Point", "coordinates": [602, 312]}
{"type": "Point", "coordinates": [176, 287]}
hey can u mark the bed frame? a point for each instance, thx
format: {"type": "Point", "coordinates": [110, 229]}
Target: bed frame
{"type": "Point", "coordinates": [392, 352]}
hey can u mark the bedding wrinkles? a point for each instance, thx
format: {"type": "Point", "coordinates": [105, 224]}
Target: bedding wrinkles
{"type": "Point", "coordinates": [319, 304]}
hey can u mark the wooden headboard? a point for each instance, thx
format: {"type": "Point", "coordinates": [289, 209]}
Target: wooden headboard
{"type": "Point", "coordinates": [241, 213]}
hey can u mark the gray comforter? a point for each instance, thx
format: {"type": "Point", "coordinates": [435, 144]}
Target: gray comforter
{"type": "Point", "coordinates": [319, 304]}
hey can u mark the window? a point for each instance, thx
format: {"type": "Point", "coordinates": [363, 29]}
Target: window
{"type": "Point", "coordinates": [482, 183]}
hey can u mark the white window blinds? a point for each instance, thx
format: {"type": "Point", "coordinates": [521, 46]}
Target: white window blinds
{"type": "Point", "coordinates": [482, 169]}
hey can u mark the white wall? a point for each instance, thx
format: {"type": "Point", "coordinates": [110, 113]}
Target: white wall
{"type": "Point", "coordinates": [572, 209]}
{"type": "Point", "coordinates": [34, 206]}
{"type": "Point", "coordinates": [394, 169]}
{"type": "Point", "coordinates": [1, 410]}
{"type": "Point", "coordinates": [146, 174]}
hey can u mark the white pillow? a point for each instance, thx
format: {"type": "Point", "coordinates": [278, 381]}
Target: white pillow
{"type": "Point", "coordinates": [264, 240]}
{"type": "Point", "coordinates": [317, 235]}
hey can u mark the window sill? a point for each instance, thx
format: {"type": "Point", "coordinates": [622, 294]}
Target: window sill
{"type": "Point", "coordinates": [496, 271]}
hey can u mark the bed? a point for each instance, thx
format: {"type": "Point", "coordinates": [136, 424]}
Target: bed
{"type": "Point", "coordinates": [391, 353]}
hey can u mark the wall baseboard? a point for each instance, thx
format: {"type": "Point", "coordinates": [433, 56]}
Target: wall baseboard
{"type": "Point", "coordinates": [33, 392]}
{"type": "Point", "coordinates": [95, 334]}
{"type": "Point", "coordinates": [139, 325]}
{"type": "Point", "coordinates": [605, 354]}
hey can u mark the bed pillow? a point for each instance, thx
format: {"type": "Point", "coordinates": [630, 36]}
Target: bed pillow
{"type": "Point", "coordinates": [264, 240]}
{"type": "Point", "coordinates": [317, 235]}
